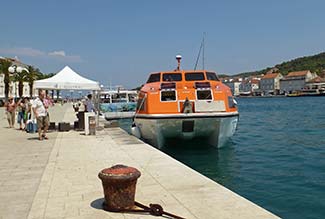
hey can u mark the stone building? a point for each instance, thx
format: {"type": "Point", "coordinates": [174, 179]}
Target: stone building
{"type": "Point", "coordinates": [270, 83]}
{"type": "Point", "coordinates": [316, 83]}
{"type": "Point", "coordinates": [13, 86]}
{"type": "Point", "coordinates": [296, 81]}
{"type": "Point", "coordinates": [234, 84]}
{"type": "Point", "coordinates": [250, 86]}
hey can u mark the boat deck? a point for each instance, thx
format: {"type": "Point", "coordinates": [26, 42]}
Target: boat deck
{"type": "Point", "coordinates": [119, 115]}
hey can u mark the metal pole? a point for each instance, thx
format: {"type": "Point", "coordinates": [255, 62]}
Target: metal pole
{"type": "Point", "coordinates": [98, 110]}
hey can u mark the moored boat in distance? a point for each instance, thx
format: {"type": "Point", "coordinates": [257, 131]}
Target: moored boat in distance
{"type": "Point", "coordinates": [118, 104]}
{"type": "Point", "coordinates": [307, 93]}
{"type": "Point", "coordinates": [185, 104]}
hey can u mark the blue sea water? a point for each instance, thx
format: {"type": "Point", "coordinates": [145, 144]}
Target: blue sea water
{"type": "Point", "coordinates": [276, 159]}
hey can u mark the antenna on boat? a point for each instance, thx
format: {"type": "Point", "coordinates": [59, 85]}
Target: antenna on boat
{"type": "Point", "coordinates": [198, 56]}
{"type": "Point", "coordinates": [178, 58]}
{"type": "Point", "coordinates": [203, 53]}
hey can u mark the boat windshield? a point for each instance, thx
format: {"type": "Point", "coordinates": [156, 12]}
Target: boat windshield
{"type": "Point", "coordinates": [132, 97]}
{"type": "Point", "coordinates": [212, 76]}
{"type": "Point", "coordinates": [172, 77]}
{"type": "Point", "coordinates": [154, 78]}
{"type": "Point", "coordinates": [119, 97]}
{"type": "Point", "coordinates": [194, 76]}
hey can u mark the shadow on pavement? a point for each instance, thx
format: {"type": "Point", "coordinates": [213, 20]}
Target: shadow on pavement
{"type": "Point", "coordinates": [97, 204]}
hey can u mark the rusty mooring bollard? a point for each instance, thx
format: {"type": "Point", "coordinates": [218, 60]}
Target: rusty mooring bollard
{"type": "Point", "coordinates": [119, 183]}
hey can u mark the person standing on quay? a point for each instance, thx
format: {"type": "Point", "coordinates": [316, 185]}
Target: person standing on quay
{"type": "Point", "coordinates": [11, 111]}
{"type": "Point", "coordinates": [47, 101]}
{"type": "Point", "coordinates": [40, 113]}
{"type": "Point", "coordinates": [21, 112]}
{"type": "Point", "coordinates": [28, 109]}
{"type": "Point", "coordinates": [89, 106]}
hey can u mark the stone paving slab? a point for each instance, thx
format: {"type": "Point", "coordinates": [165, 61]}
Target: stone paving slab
{"type": "Point", "coordinates": [70, 187]}
{"type": "Point", "coordinates": [22, 161]}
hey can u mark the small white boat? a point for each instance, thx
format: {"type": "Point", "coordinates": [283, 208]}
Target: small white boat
{"type": "Point", "coordinates": [118, 104]}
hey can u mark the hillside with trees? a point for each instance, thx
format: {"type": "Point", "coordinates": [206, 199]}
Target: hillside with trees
{"type": "Point", "coordinates": [315, 63]}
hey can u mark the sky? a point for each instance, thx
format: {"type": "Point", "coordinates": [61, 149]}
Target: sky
{"type": "Point", "coordinates": [120, 42]}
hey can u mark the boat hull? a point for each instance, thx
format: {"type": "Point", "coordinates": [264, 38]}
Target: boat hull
{"type": "Point", "coordinates": [214, 128]}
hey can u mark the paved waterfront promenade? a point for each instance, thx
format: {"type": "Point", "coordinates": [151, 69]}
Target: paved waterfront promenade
{"type": "Point", "coordinates": [22, 161]}
{"type": "Point", "coordinates": [58, 178]}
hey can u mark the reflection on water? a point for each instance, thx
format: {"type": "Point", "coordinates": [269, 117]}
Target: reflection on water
{"type": "Point", "coordinates": [211, 161]}
{"type": "Point", "coordinates": [125, 124]}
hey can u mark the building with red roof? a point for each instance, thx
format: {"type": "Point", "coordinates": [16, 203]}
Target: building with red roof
{"type": "Point", "coordinates": [233, 83]}
{"type": "Point", "coordinates": [296, 81]}
{"type": "Point", "coordinates": [270, 83]}
{"type": "Point", "coordinates": [316, 83]}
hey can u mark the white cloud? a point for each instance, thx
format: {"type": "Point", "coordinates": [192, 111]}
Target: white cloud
{"type": "Point", "coordinates": [57, 53]}
{"type": "Point", "coordinates": [23, 51]}
{"type": "Point", "coordinates": [26, 51]}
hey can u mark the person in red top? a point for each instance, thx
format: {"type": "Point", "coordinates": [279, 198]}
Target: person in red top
{"type": "Point", "coordinates": [11, 111]}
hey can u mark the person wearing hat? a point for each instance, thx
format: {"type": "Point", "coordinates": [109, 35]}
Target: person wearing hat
{"type": "Point", "coordinates": [11, 111]}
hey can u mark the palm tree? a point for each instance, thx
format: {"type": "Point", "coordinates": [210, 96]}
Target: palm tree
{"type": "Point", "coordinates": [34, 74]}
{"type": "Point", "coordinates": [4, 68]}
{"type": "Point", "coordinates": [20, 77]}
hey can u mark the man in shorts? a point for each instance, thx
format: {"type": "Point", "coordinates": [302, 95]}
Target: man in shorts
{"type": "Point", "coordinates": [40, 113]}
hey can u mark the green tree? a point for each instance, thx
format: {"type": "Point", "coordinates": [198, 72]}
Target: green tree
{"type": "Point", "coordinates": [315, 63]}
{"type": "Point", "coordinates": [20, 77]}
{"type": "Point", "coordinates": [44, 76]}
{"type": "Point", "coordinates": [4, 68]}
{"type": "Point", "coordinates": [33, 74]}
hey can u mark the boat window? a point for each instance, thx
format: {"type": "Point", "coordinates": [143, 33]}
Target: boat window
{"type": "Point", "coordinates": [212, 76]}
{"type": "Point", "coordinates": [119, 97]}
{"type": "Point", "coordinates": [154, 78]}
{"type": "Point", "coordinates": [168, 95]}
{"type": "Point", "coordinates": [171, 85]}
{"type": "Point", "coordinates": [172, 77]}
{"type": "Point", "coordinates": [231, 102]}
{"type": "Point", "coordinates": [202, 85]}
{"type": "Point", "coordinates": [204, 94]}
{"type": "Point", "coordinates": [195, 76]}
{"type": "Point", "coordinates": [132, 97]}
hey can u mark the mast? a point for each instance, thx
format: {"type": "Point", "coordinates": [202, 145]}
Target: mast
{"type": "Point", "coordinates": [198, 56]}
{"type": "Point", "coordinates": [203, 46]}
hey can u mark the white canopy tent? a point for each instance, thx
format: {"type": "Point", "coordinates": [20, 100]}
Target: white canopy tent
{"type": "Point", "coordinates": [66, 79]}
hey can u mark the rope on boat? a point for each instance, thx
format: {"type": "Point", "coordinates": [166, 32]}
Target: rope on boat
{"type": "Point", "coordinates": [138, 110]}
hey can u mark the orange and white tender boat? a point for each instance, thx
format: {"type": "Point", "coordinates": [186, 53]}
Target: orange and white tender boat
{"type": "Point", "coordinates": [185, 105]}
